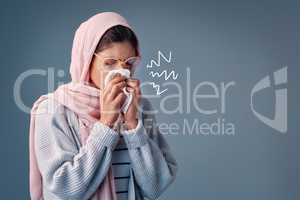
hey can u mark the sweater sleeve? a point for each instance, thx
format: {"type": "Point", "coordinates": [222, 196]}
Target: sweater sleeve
{"type": "Point", "coordinates": [153, 164]}
{"type": "Point", "coordinates": [69, 171]}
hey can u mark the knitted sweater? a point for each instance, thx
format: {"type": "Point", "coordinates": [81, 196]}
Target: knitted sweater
{"type": "Point", "coordinates": [74, 171]}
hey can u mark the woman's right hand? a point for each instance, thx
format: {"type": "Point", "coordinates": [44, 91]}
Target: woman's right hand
{"type": "Point", "coordinates": [111, 100]}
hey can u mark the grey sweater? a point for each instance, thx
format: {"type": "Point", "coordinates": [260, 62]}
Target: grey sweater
{"type": "Point", "coordinates": [74, 171]}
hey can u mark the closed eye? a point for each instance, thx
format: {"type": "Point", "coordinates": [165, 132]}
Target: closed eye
{"type": "Point", "coordinates": [110, 62]}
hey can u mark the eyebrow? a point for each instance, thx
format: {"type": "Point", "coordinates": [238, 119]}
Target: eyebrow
{"type": "Point", "coordinates": [105, 56]}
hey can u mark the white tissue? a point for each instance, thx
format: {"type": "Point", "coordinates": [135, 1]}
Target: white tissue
{"type": "Point", "coordinates": [126, 73]}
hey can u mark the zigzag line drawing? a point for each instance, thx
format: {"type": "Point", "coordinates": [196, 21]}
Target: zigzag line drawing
{"type": "Point", "coordinates": [157, 63]}
{"type": "Point", "coordinates": [164, 73]}
{"type": "Point", "coordinates": [160, 55]}
{"type": "Point", "coordinates": [157, 87]}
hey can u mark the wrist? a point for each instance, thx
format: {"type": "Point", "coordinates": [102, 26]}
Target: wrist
{"type": "Point", "coordinates": [107, 123]}
{"type": "Point", "coordinates": [131, 124]}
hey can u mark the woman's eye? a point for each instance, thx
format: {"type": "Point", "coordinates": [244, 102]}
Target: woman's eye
{"type": "Point", "coordinates": [131, 62]}
{"type": "Point", "coordinates": [110, 62]}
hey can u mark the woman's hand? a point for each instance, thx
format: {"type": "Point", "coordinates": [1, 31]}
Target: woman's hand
{"type": "Point", "coordinates": [130, 117]}
{"type": "Point", "coordinates": [111, 100]}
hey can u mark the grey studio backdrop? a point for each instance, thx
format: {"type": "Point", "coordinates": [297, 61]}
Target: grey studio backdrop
{"type": "Point", "coordinates": [216, 44]}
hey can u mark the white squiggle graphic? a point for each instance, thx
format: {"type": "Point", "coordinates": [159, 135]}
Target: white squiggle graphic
{"type": "Point", "coordinates": [157, 87]}
{"type": "Point", "coordinates": [165, 74]}
{"type": "Point", "coordinates": [157, 63]}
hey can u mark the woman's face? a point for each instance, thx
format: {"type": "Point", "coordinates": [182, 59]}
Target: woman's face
{"type": "Point", "coordinates": [98, 67]}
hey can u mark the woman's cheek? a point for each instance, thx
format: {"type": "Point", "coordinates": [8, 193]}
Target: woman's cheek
{"type": "Point", "coordinates": [100, 79]}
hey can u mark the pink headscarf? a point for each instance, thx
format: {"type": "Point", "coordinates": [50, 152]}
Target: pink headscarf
{"type": "Point", "coordinates": [79, 96]}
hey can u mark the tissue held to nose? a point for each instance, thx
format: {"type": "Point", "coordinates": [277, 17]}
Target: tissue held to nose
{"type": "Point", "coordinates": [126, 73]}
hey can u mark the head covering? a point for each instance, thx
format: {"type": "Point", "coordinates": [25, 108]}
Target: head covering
{"type": "Point", "coordinates": [79, 96]}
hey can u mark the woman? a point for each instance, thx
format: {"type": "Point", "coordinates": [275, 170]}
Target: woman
{"type": "Point", "coordinates": [81, 145]}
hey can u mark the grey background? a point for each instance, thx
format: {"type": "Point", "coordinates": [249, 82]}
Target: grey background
{"type": "Point", "coordinates": [240, 41]}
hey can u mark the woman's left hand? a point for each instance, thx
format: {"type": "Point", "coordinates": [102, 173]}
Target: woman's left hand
{"type": "Point", "coordinates": [130, 117]}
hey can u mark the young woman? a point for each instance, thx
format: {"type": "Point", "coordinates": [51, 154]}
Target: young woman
{"type": "Point", "coordinates": [81, 145]}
